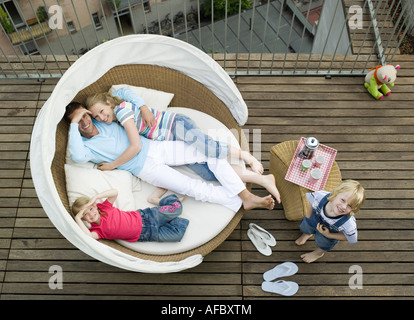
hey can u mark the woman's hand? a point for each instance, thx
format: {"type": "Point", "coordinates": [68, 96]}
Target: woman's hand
{"type": "Point", "coordinates": [106, 166]}
{"type": "Point", "coordinates": [147, 116]}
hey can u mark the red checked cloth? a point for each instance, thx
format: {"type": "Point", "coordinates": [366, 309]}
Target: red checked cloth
{"type": "Point", "coordinates": [297, 176]}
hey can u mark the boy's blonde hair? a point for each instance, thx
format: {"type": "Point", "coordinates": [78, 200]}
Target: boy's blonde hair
{"type": "Point", "coordinates": [102, 97]}
{"type": "Point", "coordinates": [357, 197]}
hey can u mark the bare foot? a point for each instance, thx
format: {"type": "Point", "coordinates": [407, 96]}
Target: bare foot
{"type": "Point", "coordinates": [253, 201]}
{"type": "Point", "coordinates": [313, 256]}
{"type": "Point", "coordinates": [254, 164]}
{"type": "Point", "coordinates": [270, 185]}
{"type": "Point", "coordinates": [302, 239]}
{"type": "Point", "coordinates": [156, 196]}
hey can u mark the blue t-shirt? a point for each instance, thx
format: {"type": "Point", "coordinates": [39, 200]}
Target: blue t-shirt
{"type": "Point", "coordinates": [106, 146]}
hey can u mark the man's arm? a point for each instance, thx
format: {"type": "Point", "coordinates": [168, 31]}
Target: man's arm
{"type": "Point", "coordinates": [77, 149]}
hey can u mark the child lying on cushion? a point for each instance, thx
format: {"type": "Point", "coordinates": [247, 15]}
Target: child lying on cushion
{"type": "Point", "coordinates": [159, 223]}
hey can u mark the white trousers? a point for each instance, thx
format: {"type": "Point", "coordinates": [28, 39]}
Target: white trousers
{"type": "Point", "coordinates": [162, 155]}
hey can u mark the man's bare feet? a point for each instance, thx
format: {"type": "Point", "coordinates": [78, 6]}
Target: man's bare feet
{"type": "Point", "coordinates": [313, 256]}
{"type": "Point", "coordinates": [254, 164]}
{"type": "Point", "coordinates": [267, 181]}
{"type": "Point", "coordinates": [302, 239]}
{"type": "Point", "coordinates": [253, 201]}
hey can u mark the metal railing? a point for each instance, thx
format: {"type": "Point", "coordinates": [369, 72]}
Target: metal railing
{"type": "Point", "coordinates": [41, 38]}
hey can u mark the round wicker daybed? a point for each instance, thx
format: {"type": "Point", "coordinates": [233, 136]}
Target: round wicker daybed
{"type": "Point", "coordinates": [149, 61]}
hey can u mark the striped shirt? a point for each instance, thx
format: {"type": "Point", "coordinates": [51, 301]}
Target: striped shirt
{"type": "Point", "coordinates": [163, 121]}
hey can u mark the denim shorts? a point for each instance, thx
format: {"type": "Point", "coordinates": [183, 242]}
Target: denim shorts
{"type": "Point", "coordinates": [308, 226]}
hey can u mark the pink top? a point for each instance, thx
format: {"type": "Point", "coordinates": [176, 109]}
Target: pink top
{"type": "Point", "coordinates": [117, 224]}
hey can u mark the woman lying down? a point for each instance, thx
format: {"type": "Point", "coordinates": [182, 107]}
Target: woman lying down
{"type": "Point", "coordinates": [159, 223]}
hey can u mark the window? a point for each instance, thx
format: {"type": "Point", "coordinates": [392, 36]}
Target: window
{"type": "Point", "coordinates": [71, 27]}
{"type": "Point", "coordinates": [12, 11]}
{"type": "Point", "coordinates": [96, 21]}
{"type": "Point", "coordinates": [147, 7]}
{"type": "Point", "coordinates": [29, 48]}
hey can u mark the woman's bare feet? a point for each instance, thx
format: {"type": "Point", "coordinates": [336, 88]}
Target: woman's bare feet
{"type": "Point", "coordinates": [252, 201]}
{"type": "Point", "coordinates": [313, 256]}
{"type": "Point", "coordinates": [270, 185]}
{"type": "Point", "coordinates": [302, 239]}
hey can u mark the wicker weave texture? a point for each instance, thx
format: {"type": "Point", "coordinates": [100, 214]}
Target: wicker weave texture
{"type": "Point", "coordinates": [187, 93]}
{"type": "Point", "coordinates": [293, 196]}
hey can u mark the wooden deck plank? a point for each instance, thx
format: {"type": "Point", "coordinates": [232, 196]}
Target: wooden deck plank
{"type": "Point", "coordinates": [372, 137]}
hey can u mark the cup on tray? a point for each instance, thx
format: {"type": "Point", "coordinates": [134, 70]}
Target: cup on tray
{"type": "Point", "coordinates": [306, 164]}
{"type": "Point", "coordinates": [319, 160]}
{"type": "Point", "coordinates": [315, 175]}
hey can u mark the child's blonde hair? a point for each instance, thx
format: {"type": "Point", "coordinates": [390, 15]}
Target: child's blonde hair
{"type": "Point", "coordinates": [103, 98]}
{"type": "Point", "coordinates": [357, 197]}
{"type": "Point", "coordinates": [79, 203]}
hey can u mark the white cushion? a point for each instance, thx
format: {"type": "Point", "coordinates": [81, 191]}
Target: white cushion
{"type": "Point", "coordinates": [154, 99]}
{"type": "Point", "coordinates": [207, 220]}
{"type": "Point", "coordinates": [81, 181]}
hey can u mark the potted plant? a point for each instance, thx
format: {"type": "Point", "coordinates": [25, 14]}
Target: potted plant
{"type": "Point", "coordinates": [5, 21]}
{"type": "Point", "coordinates": [41, 13]}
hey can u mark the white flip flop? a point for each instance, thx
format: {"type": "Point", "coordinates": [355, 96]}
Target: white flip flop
{"type": "Point", "coordinates": [258, 242]}
{"type": "Point", "coordinates": [282, 270]}
{"type": "Point", "coordinates": [264, 234]}
{"type": "Point", "coordinates": [282, 287]}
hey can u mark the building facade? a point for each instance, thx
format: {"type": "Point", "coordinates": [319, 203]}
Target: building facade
{"type": "Point", "coordinates": [73, 27]}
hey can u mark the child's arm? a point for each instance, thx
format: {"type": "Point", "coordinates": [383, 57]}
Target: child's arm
{"type": "Point", "coordinates": [130, 96]}
{"type": "Point", "coordinates": [324, 231]}
{"type": "Point", "coordinates": [110, 195]}
{"type": "Point", "coordinates": [147, 116]}
{"type": "Point", "coordinates": [309, 210]}
{"type": "Point", "coordinates": [130, 152]}
{"type": "Point", "coordinates": [78, 219]}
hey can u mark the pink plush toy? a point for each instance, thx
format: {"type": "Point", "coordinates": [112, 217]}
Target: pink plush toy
{"type": "Point", "coordinates": [378, 78]}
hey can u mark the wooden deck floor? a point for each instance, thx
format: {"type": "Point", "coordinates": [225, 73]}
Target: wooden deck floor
{"type": "Point", "coordinates": [375, 140]}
